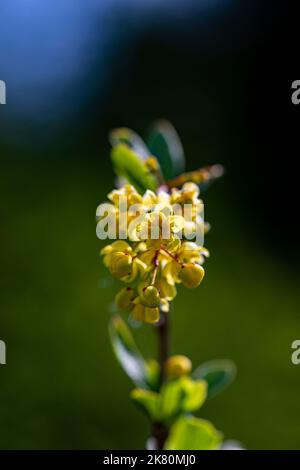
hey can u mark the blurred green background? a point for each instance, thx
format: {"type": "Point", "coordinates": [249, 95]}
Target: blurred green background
{"type": "Point", "coordinates": [61, 387]}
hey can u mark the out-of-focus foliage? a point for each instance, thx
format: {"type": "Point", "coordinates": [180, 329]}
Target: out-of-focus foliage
{"type": "Point", "coordinates": [128, 165]}
{"type": "Point", "coordinates": [127, 353]}
{"type": "Point", "coordinates": [218, 374]}
{"type": "Point", "coordinates": [190, 433]}
{"type": "Point", "coordinates": [164, 143]}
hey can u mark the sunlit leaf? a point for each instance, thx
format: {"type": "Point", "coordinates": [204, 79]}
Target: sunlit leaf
{"type": "Point", "coordinates": [147, 401]}
{"type": "Point", "coordinates": [128, 165]}
{"type": "Point", "coordinates": [181, 396]}
{"type": "Point", "coordinates": [190, 433]}
{"type": "Point", "coordinates": [164, 143]}
{"type": "Point", "coordinates": [195, 394]}
{"type": "Point", "coordinates": [127, 352]}
{"type": "Point", "coordinates": [123, 135]}
{"type": "Point", "coordinates": [218, 374]}
{"type": "Point", "coordinates": [170, 399]}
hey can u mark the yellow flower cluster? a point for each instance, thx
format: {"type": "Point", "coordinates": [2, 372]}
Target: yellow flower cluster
{"type": "Point", "coordinates": [150, 267]}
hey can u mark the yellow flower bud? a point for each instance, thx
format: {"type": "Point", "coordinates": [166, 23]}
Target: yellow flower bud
{"type": "Point", "coordinates": [151, 315]}
{"type": "Point", "coordinates": [106, 250]}
{"type": "Point", "coordinates": [150, 297]}
{"type": "Point", "coordinates": [190, 191]}
{"type": "Point", "coordinates": [124, 299]}
{"type": "Point", "coordinates": [191, 275]}
{"type": "Point", "coordinates": [121, 245]}
{"type": "Point", "coordinates": [120, 264]}
{"type": "Point", "coordinates": [138, 312]}
{"type": "Point", "coordinates": [145, 314]}
{"type": "Point", "coordinates": [177, 366]}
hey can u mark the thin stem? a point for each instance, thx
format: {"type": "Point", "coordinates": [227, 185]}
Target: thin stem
{"type": "Point", "coordinates": [160, 434]}
{"type": "Point", "coordinates": [154, 276]}
{"type": "Point", "coordinates": [170, 254]}
{"type": "Point", "coordinates": [159, 430]}
{"type": "Point", "coordinates": [163, 343]}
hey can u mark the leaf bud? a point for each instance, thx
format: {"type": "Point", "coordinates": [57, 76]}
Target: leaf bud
{"type": "Point", "coordinates": [177, 366]}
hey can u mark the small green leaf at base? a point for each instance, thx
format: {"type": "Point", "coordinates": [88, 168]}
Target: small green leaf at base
{"type": "Point", "coordinates": [170, 400]}
{"type": "Point", "coordinates": [147, 401]}
{"type": "Point", "coordinates": [190, 433]}
{"type": "Point", "coordinates": [181, 396]}
{"type": "Point", "coordinates": [195, 394]}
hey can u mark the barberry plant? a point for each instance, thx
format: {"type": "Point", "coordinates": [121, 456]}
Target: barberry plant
{"type": "Point", "coordinates": [154, 221]}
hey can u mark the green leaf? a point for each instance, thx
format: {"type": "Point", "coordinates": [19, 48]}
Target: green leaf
{"type": "Point", "coordinates": [127, 352]}
{"type": "Point", "coordinates": [181, 396]}
{"type": "Point", "coordinates": [164, 143]}
{"type": "Point", "coordinates": [147, 401]}
{"type": "Point", "coordinates": [218, 374]}
{"type": "Point", "coordinates": [190, 433]}
{"type": "Point", "coordinates": [128, 165]}
{"type": "Point", "coordinates": [153, 374]}
{"type": "Point", "coordinates": [195, 394]}
{"type": "Point", "coordinates": [126, 136]}
{"type": "Point", "coordinates": [170, 399]}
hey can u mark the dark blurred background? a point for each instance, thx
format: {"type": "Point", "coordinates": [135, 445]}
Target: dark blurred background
{"type": "Point", "coordinates": [221, 72]}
